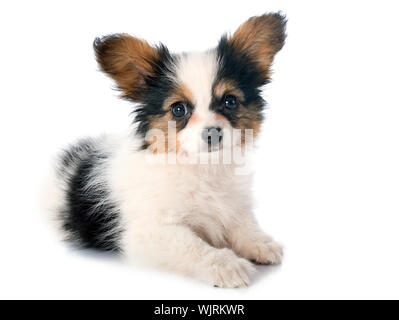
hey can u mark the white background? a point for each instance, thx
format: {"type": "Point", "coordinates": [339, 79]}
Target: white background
{"type": "Point", "coordinates": [327, 182]}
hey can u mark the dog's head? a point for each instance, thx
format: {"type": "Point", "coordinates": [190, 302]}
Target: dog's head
{"type": "Point", "coordinates": [205, 96]}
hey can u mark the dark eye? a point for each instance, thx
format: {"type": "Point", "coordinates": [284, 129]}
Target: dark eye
{"type": "Point", "coordinates": [230, 102]}
{"type": "Point", "coordinates": [179, 109]}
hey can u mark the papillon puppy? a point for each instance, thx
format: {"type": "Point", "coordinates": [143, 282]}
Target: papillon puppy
{"type": "Point", "coordinates": [170, 193]}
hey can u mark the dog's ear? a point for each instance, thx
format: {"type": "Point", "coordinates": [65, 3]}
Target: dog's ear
{"type": "Point", "coordinates": [127, 60]}
{"type": "Point", "coordinates": [260, 38]}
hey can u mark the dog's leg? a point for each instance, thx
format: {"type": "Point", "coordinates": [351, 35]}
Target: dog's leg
{"type": "Point", "coordinates": [178, 249]}
{"type": "Point", "coordinates": [248, 241]}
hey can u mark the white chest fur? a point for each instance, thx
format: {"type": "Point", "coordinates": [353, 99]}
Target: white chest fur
{"type": "Point", "coordinates": [206, 198]}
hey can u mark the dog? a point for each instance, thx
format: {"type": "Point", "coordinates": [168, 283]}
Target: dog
{"type": "Point", "coordinates": [162, 194]}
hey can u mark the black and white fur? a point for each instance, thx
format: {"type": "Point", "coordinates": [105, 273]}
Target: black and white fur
{"type": "Point", "coordinates": [195, 219]}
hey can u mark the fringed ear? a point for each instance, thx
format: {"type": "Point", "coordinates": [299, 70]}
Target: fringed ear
{"type": "Point", "coordinates": [127, 60]}
{"type": "Point", "coordinates": [260, 38]}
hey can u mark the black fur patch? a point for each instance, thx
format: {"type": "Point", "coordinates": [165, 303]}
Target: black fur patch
{"type": "Point", "coordinates": [90, 219]}
{"type": "Point", "coordinates": [237, 66]}
{"type": "Point", "coordinates": [156, 89]}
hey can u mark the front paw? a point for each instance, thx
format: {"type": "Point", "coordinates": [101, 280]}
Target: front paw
{"type": "Point", "coordinates": [229, 271]}
{"type": "Point", "coordinates": [264, 252]}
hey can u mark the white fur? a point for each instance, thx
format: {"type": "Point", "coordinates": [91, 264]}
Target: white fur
{"type": "Point", "coordinates": [185, 218]}
{"type": "Point", "coordinates": [197, 70]}
{"type": "Point", "coordinates": [194, 219]}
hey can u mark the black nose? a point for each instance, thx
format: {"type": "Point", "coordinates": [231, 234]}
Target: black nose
{"type": "Point", "coordinates": [212, 135]}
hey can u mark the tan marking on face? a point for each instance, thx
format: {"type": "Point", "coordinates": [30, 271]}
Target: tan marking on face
{"type": "Point", "coordinates": [224, 87]}
{"type": "Point", "coordinates": [184, 93]}
{"type": "Point", "coordinates": [180, 93]}
{"type": "Point", "coordinates": [248, 118]}
{"type": "Point", "coordinates": [161, 123]}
